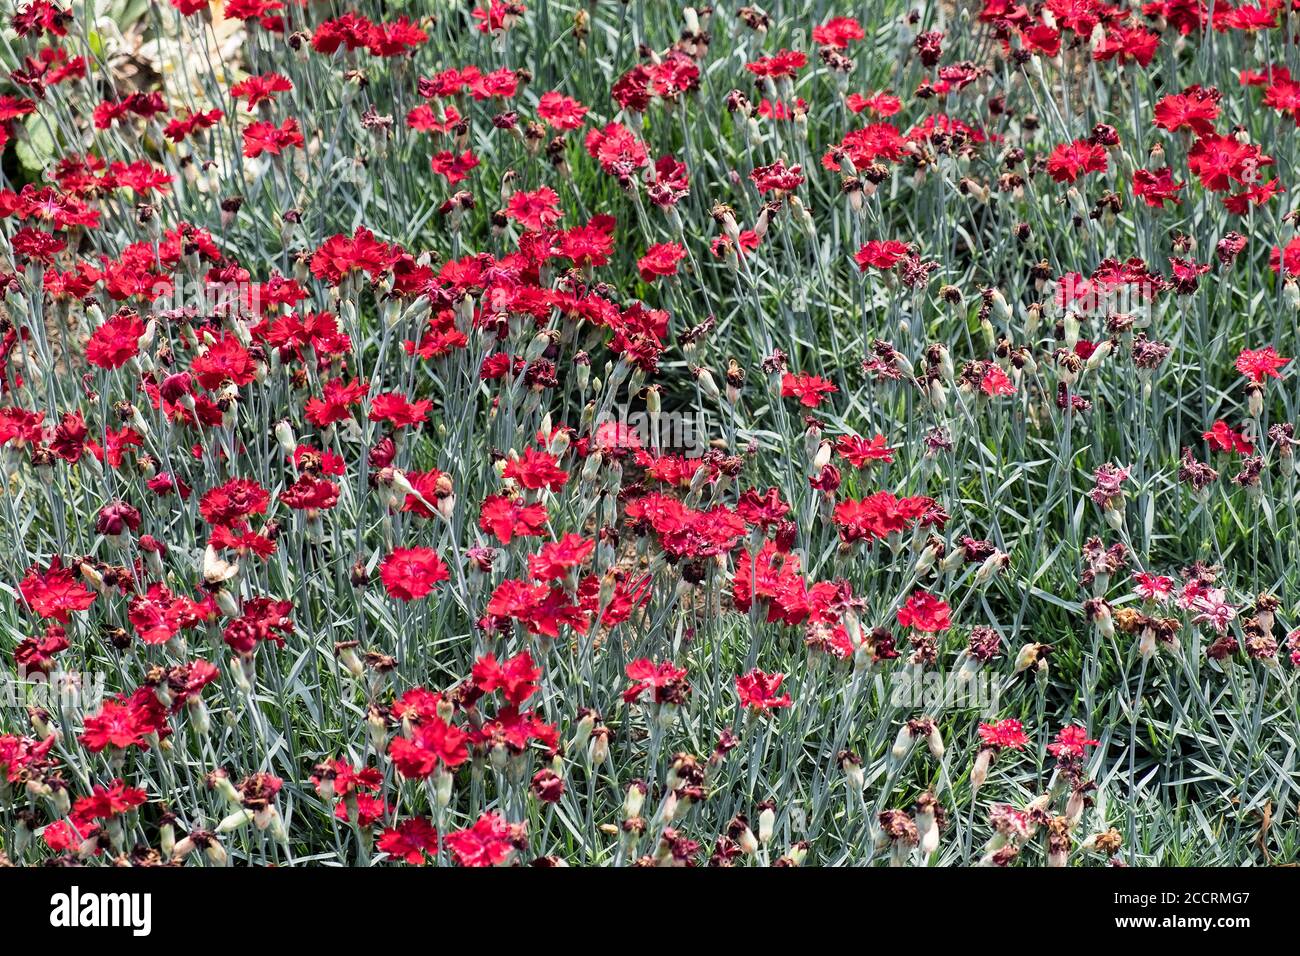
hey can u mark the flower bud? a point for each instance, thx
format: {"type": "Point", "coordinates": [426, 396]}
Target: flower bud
{"type": "Point", "coordinates": [284, 435]}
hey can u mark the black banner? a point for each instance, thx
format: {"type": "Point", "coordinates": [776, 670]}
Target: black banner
{"type": "Point", "coordinates": [297, 904]}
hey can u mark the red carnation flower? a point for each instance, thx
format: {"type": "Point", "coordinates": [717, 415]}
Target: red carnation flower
{"type": "Point", "coordinates": [660, 260]}
{"type": "Point", "coordinates": [55, 592]}
{"type": "Point", "coordinates": [115, 342]}
{"type": "Point", "coordinates": [1070, 161]}
{"type": "Point", "coordinates": [1259, 364]}
{"type": "Point", "coordinates": [809, 389]}
{"type": "Point", "coordinates": [758, 691]}
{"type": "Point", "coordinates": [410, 840]}
{"type": "Point", "coordinates": [410, 573]}
{"type": "Point", "coordinates": [924, 612]}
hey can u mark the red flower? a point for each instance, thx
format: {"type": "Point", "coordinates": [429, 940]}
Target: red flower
{"type": "Point", "coordinates": [489, 842]}
{"type": "Point", "coordinates": [261, 89]}
{"type": "Point", "coordinates": [1239, 203]}
{"type": "Point", "coordinates": [1283, 94]}
{"type": "Point", "coordinates": [1070, 742]}
{"type": "Point", "coordinates": [877, 516]}
{"type": "Point", "coordinates": [764, 510]}
{"type": "Point", "coordinates": [104, 803]}
{"type": "Point", "coordinates": [1040, 38]}
{"type": "Point", "coordinates": [779, 110]}
{"type": "Point", "coordinates": [410, 840]}
{"type": "Point", "coordinates": [589, 245]}
{"type": "Point", "coordinates": [426, 483]}
{"type": "Point", "coordinates": [618, 151]}
{"type": "Point", "coordinates": [158, 615]}
{"type": "Point", "coordinates": [667, 680]}
{"type": "Point", "coordinates": [126, 722]}
{"type": "Point", "coordinates": [410, 573]}
{"type": "Point", "coordinates": [117, 341]}
{"type": "Point", "coordinates": [809, 389]}
{"type": "Point", "coordinates": [881, 104]}
{"type": "Point", "coordinates": [1219, 161]}
{"type": "Point", "coordinates": [1195, 108]}
{"type": "Point", "coordinates": [237, 498]}
{"type": "Point", "coordinates": [224, 360]}
{"type": "Point", "coordinates": [497, 16]}
{"type": "Point", "coordinates": [262, 620]}
{"type": "Point", "coordinates": [340, 255]}
{"type": "Point", "coordinates": [995, 382]}
{"type": "Point", "coordinates": [265, 137]}
{"type": "Point", "coordinates": [1259, 364]}
{"type": "Point", "coordinates": [859, 451]}
{"type": "Point", "coordinates": [41, 16]}
{"type": "Point", "coordinates": [434, 742]}
{"type": "Point", "coordinates": [514, 731]}
{"type": "Point", "coordinates": [1156, 188]}
{"type": "Point", "coordinates": [758, 691]}
{"type": "Point", "coordinates": [337, 778]}
{"type": "Point", "coordinates": [366, 811]}
{"type": "Point", "coordinates": [1185, 16]}
{"type": "Point", "coordinates": [186, 681]}
{"type": "Point", "coordinates": [1185, 275]}
{"type": "Point", "coordinates": [1222, 438]}
{"type": "Point", "coordinates": [536, 469]}
{"type": "Point", "coordinates": [36, 655]}
{"type": "Point", "coordinates": [517, 676]}
{"type": "Point", "coordinates": [1135, 44]}
{"type": "Point", "coordinates": [547, 785]}
{"type": "Point", "coordinates": [240, 539]}
{"type": "Point", "coordinates": [336, 401]}
{"type": "Point", "coordinates": [507, 518]}
{"type": "Point", "coordinates": [924, 612]}
{"type": "Point", "coordinates": [1005, 734]}
{"type": "Point", "coordinates": [36, 245]}
{"type": "Point", "coordinates": [453, 167]}
{"type": "Point", "coordinates": [560, 111]}
{"type": "Point", "coordinates": [881, 254]}
{"type": "Point", "coordinates": [540, 609]}
{"type": "Point", "coordinates": [55, 592]}
{"type": "Point", "coordinates": [1153, 587]}
{"type": "Point", "coordinates": [396, 409]}
{"type": "Point", "coordinates": [394, 39]}
{"type": "Point", "coordinates": [558, 558]}
{"type": "Point", "coordinates": [536, 210]}
{"type": "Point", "coordinates": [116, 518]}
{"type": "Point", "coordinates": [783, 63]}
{"type": "Point", "coordinates": [311, 494]}
{"type": "Point", "coordinates": [660, 260]}
{"type": "Point", "coordinates": [1288, 258]}
{"type": "Point", "coordinates": [837, 32]}
{"type": "Point", "coordinates": [351, 30]}
{"type": "Point", "coordinates": [1070, 161]}
{"type": "Point", "coordinates": [777, 178]}
{"type": "Point", "coordinates": [260, 10]}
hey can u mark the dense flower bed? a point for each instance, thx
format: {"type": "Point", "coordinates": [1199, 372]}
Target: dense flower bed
{"type": "Point", "coordinates": [632, 434]}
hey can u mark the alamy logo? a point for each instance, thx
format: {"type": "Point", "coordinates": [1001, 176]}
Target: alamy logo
{"type": "Point", "coordinates": [76, 910]}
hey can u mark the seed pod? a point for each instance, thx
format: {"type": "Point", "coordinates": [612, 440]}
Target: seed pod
{"type": "Point", "coordinates": [634, 800]}
{"type": "Point", "coordinates": [235, 821]}
{"type": "Point", "coordinates": [284, 435]}
{"type": "Point", "coordinates": [902, 742]}
{"type": "Point", "coordinates": [934, 740]}
{"type": "Point", "coordinates": [707, 385]}
{"type": "Point", "coordinates": [766, 822]}
{"type": "Point", "coordinates": [980, 771]}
